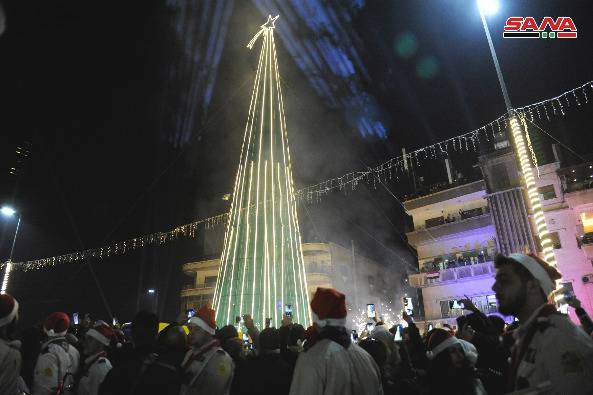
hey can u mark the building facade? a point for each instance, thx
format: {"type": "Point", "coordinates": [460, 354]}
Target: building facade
{"type": "Point", "coordinates": [361, 279]}
{"type": "Point", "coordinates": [455, 238]}
{"type": "Point", "coordinates": [458, 231]}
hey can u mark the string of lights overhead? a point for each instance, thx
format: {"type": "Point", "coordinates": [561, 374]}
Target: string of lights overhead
{"type": "Point", "coordinates": [545, 109]}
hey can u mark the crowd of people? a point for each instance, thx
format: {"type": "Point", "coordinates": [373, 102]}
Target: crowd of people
{"type": "Point", "coordinates": [543, 352]}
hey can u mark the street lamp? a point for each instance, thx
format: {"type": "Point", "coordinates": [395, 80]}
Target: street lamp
{"type": "Point", "coordinates": [155, 301]}
{"type": "Point", "coordinates": [8, 211]}
{"type": "Point", "coordinates": [488, 7]}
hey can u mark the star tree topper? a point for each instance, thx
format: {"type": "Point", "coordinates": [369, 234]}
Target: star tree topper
{"type": "Point", "coordinates": [270, 24]}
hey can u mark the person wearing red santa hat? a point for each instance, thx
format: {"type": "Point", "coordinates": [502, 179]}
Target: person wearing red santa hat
{"type": "Point", "coordinates": [10, 356]}
{"type": "Point", "coordinates": [208, 369]}
{"type": "Point", "coordinates": [96, 365]}
{"type": "Point", "coordinates": [58, 360]}
{"type": "Point", "coordinates": [334, 365]}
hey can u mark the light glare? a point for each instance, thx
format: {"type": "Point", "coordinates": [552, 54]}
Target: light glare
{"type": "Point", "coordinates": [488, 7]}
{"type": "Point", "coordinates": [8, 211]}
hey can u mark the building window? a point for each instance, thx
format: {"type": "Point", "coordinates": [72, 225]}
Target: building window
{"type": "Point", "coordinates": [487, 304]}
{"type": "Point", "coordinates": [210, 281]}
{"type": "Point", "coordinates": [499, 177]}
{"type": "Point", "coordinates": [587, 220]}
{"type": "Point", "coordinates": [555, 239]}
{"type": "Point", "coordinates": [547, 192]}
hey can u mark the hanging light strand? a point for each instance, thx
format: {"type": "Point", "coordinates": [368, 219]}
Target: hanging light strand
{"type": "Point", "coordinates": [313, 193]}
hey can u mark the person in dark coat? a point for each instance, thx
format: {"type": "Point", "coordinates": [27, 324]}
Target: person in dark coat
{"type": "Point", "coordinates": [268, 372]}
{"type": "Point", "coordinates": [129, 359]}
{"type": "Point", "coordinates": [161, 373]}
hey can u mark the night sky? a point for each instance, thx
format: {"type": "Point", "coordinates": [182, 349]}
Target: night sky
{"type": "Point", "coordinates": [89, 86]}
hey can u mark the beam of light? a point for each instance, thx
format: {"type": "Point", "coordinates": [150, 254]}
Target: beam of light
{"type": "Point", "coordinates": [533, 195]}
{"type": "Point", "coordinates": [262, 261]}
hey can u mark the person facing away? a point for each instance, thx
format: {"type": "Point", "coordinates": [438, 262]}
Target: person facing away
{"type": "Point", "coordinates": [550, 352]}
{"type": "Point", "coordinates": [128, 360]}
{"type": "Point", "coordinates": [96, 364]}
{"type": "Point", "coordinates": [333, 364]}
{"type": "Point", "coordinates": [267, 372]}
{"type": "Point", "coordinates": [59, 361]}
{"type": "Point", "coordinates": [452, 365]}
{"type": "Point", "coordinates": [10, 357]}
{"type": "Point", "coordinates": [207, 368]}
{"type": "Point", "coordinates": [161, 373]}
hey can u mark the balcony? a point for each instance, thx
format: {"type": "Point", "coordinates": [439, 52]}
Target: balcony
{"type": "Point", "coordinates": [423, 234]}
{"type": "Point", "coordinates": [199, 289]}
{"type": "Point", "coordinates": [452, 275]}
{"type": "Point", "coordinates": [587, 244]}
{"type": "Point", "coordinates": [457, 259]}
{"type": "Point", "coordinates": [443, 192]}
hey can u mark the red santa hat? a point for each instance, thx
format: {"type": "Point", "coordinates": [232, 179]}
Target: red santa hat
{"type": "Point", "coordinates": [9, 309]}
{"type": "Point", "coordinates": [56, 324]}
{"type": "Point", "coordinates": [439, 341]}
{"type": "Point", "coordinates": [204, 319]}
{"type": "Point", "coordinates": [329, 307]}
{"type": "Point", "coordinates": [102, 333]}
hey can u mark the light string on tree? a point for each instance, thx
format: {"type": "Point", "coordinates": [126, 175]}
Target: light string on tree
{"type": "Point", "coordinates": [349, 181]}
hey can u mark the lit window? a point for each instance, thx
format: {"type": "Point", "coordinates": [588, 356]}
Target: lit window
{"type": "Point", "coordinates": [587, 220]}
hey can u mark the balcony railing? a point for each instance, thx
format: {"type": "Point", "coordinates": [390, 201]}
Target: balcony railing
{"type": "Point", "coordinates": [462, 273]}
{"type": "Point", "coordinates": [457, 259]}
{"type": "Point", "coordinates": [460, 312]}
{"type": "Point", "coordinates": [462, 215]}
{"type": "Point", "coordinates": [420, 236]}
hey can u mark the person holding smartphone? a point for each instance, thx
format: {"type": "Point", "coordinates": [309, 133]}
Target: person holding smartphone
{"type": "Point", "coordinates": [584, 319]}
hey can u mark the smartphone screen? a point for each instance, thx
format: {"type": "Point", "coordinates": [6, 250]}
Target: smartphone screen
{"type": "Point", "coordinates": [115, 321]}
{"type": "Point", "coordinates": [398, 334]}
{"type": "Point", "coordinates": [245, 339]}
{"type": "Point", "coordinates": [75, 318]}
{"type": "Point", "coordinates": [371, 310]}
{"type": "Point", "coordinates": [191, 313]}
{"type": "Point", "coordinates": [288, 310]}
{"type": "Point", "coordinates": [354, 335]}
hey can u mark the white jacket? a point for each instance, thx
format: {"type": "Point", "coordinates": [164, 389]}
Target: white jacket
{"type": "Point", "coordinates": [327, 368]}
{"type": "Point", "coordinates": [10, 367]}
{"type": "Point", "coordinates": [58, 361]}
{"type": "Point", "coordinates": [559, 353]}
{"type": "Point", "coordinates": [96, 368]}
{"type": "Point", "coordinates": [208, 370]}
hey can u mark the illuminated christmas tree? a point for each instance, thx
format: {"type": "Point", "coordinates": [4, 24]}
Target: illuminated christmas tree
{"type": "Point", "coordinates": [262, 271]}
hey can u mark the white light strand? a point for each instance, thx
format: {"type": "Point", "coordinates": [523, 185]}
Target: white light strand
{"type": "Point", "coordinates": [311, 193]}
{"type": "Point", "coordinates": [531, 187]}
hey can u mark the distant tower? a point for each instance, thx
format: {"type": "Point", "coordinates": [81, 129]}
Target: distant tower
{"type": "Point", "coordinates": [262, 269]}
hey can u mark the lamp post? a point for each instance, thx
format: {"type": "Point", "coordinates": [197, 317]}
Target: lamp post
{"type": "Point", "coordinates": [154, 294]}
{"type": "Point", "coordinates": [9, 212]}
{"type": "Point", "coordinates": [488, 7]}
